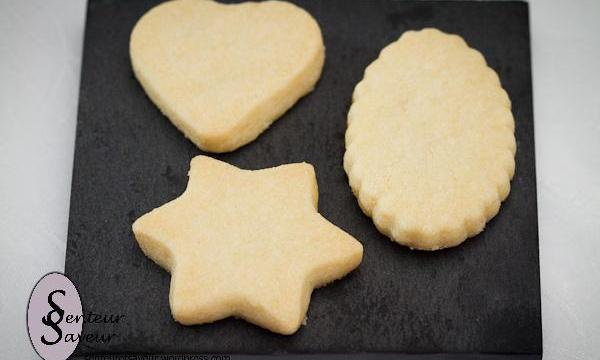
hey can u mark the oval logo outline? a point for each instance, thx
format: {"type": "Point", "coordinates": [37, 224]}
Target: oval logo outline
{"type": "Point", "coordinates": [54, 316]}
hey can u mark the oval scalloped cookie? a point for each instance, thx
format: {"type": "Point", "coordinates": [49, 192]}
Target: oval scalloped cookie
{"type": "Point", "coordinates": [430, 141]}
{"type": "Point", "coordinates": [223, 73]}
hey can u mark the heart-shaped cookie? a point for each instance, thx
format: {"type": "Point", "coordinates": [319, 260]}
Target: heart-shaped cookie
{"type": "Point", "coordinates": [223, 73]}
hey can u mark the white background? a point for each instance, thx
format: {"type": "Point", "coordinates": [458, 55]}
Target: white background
{"type": "Point", "coordinates": [40, 57]}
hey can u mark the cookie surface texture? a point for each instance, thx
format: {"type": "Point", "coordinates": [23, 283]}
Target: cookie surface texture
{"type": "Point", "coordinates": [248, 244]}
{"type": "Point", "coordinates": [223, 73]}
{"type": "Point", "coordinates": [430, 141]}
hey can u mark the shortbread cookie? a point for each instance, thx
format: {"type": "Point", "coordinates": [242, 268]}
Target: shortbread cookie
{"type": "Point", "coordinates": [223, 73]}
{"type": "Point", "coordinates": [249, 244]}
{"type": "Point", "coordinates": [430, 141]}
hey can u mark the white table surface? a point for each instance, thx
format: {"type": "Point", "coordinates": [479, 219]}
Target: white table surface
{"type": "Point", "coordinates": [40, 57]}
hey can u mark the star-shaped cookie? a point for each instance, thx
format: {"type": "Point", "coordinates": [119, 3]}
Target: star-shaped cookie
{"type": "Point", "coordinates": [249, 244]}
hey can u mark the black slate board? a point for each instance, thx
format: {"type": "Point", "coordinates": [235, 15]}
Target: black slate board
{"type": "Point", "coordinates": [481, 298]}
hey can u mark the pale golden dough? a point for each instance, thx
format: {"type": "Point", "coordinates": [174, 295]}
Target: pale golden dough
{"type": "Point", "coordinates": [249, 244]}
{"type": "Point", "coordinates": [223, 73]}
{"type": "Point", "coordinates": [430, 141]}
